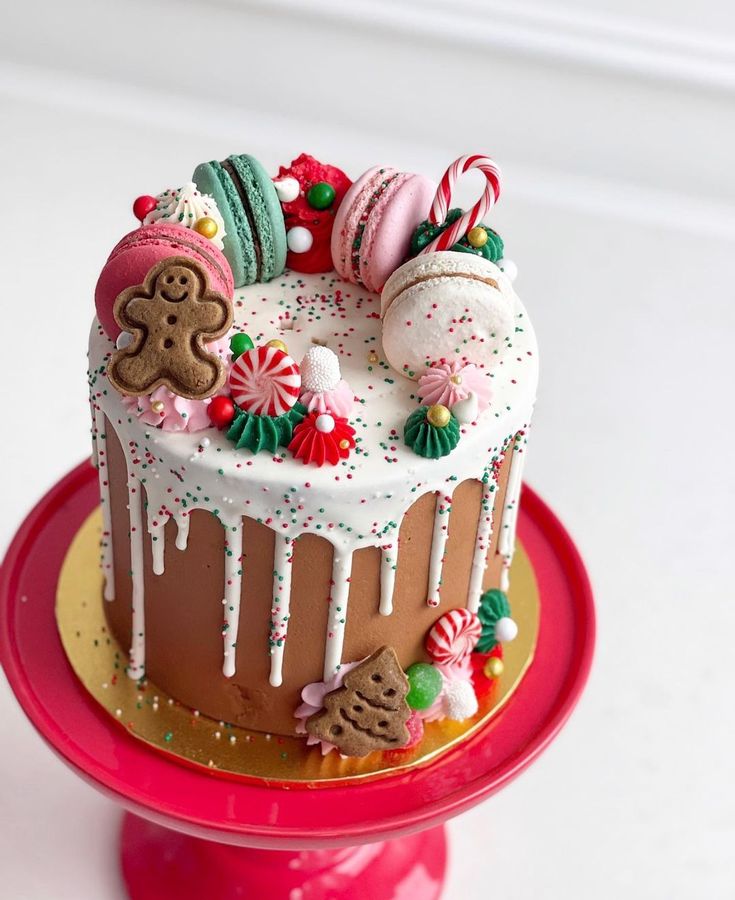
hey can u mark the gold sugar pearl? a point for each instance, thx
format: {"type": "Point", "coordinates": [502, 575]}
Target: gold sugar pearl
{"type": "Point", "coordinates": [278, 344]}
{"type": "Point", "coordinates": [206, 226]}
{"type": "Point", "coordinates": [438, 415]}
{"type": "Point", "coordinates": [494, 667]}
{"type": "Point", "coordinates": [455, 379]}
{"type": "Point", "coordinates": [344, 444]}
{"type": "Point", "coordinates": [157, 406]}
{"type": "Point", "coordinates": [477, 237]}
{"type": "Point", "coordinates": [373, 357]}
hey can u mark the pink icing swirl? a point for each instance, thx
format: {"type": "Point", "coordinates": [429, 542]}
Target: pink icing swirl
{"type": "Point", "coordinates": [449, 382]}
{"type": "Point", "coordinates": [339, 401]}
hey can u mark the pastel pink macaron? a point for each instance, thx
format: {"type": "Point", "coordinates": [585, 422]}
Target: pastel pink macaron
{"type": "Point", "coordinates": [373, 226]}
{"type": "Point", "coordinates": [138, 251]}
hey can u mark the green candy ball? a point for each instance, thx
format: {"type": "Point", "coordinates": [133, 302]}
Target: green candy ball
{"type": "Point", "coordinates": [239, 343]}
{"type": "Point", "coordinates": [425, 683]}
{"type": "Point", "coordinates": [320, 195]}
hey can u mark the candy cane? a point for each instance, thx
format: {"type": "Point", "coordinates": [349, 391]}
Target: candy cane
{"type": "Point", "coordinates": [440, 206]}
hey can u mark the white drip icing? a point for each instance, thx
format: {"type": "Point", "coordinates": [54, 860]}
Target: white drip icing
{"type": "Point", "coordinates": [182, 531]}
{"type": "Point", "coordinates": [158, 547]}
{"type": "Point", "coordinates": [507, 536]}
{"type": "Point", "coordinates": [282, 568]}
{"type": "Point", "coordinates": [387, 579]}
{"type": "Point", "coordinates": [482, 545]}
{"type": "Point", "coordinates": [136, 668]}
{"type": "Point", "coordinates": [341, 570]}
{"type": "Point", "coordinates": [231, 601]}
{"type": "Point", "coordinates": [341, 503]}
{"type": "Point", "coordinates": [439, 539]}
{"type": "Point", "coordinates": [100, 459]}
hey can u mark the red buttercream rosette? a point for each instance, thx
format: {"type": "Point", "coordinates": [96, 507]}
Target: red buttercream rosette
{"type": "Point", "coordinates": [309, 171]}
{"type": "Point", "coordinates": [322, 439]}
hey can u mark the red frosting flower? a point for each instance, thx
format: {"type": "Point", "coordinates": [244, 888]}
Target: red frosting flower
{"type": "Point", "coordinates": [300, 213]}
{"type": "Point", "coordinates": [322, 439]}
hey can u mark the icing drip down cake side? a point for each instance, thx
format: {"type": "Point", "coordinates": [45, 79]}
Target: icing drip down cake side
{"type": "Point", "coordinates": [309, 488]}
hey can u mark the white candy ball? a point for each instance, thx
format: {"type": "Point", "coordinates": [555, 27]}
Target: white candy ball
{"type": "Point", "coordinates": [205, 442]}
{"type": "Point", "coordinates": [509, 267]}
{"type": "Point", "coordinates": [460, 701]}
{"type": "Point", "coordinates": [123, 340]}
{"type": "Point", "coordinates": [299, 239]}
{"type": "Point", "coordinates": [324, 423]}
{"type": "Point", "coordinates": [320, 370]}
{"type": "Point", "coordinates": [287, 189]}
{"type": "Point", "coordinates": [505, 630]}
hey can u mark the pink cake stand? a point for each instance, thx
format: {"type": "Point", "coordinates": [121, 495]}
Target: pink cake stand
{"type": "Point", "coordinates": [190, 833]}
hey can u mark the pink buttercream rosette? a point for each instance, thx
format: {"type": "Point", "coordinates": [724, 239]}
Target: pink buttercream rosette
{"type": "Point", "coordinates": [449, 382]}
{"type": "Point", "coordinates": [339, 401]}
{"type": "Point", "coordinates": [176, 413]}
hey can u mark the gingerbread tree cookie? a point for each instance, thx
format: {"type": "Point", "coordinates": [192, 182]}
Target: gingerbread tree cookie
{"type": "Point", "coordinates": [369, 712]}
{"type": "Point", "coordinates": [172, 316]}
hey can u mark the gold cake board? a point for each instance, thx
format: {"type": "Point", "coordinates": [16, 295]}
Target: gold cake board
{"type": "Point", "coordinates": [156, 718]}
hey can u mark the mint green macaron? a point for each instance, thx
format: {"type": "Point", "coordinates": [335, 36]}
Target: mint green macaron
{"type": "Point", "coordinates": [255, 238]}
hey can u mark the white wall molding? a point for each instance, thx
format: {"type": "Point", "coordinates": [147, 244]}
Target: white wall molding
{"type": "Point", "coordinates": [633, 45]}
{"type": "Point", "coordinates": [676, 211]}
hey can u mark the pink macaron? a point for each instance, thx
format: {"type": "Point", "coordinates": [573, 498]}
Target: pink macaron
{"type": "Point", "coordinates": [140, 250]}
{"type": "Point", "coordinates": [373, 226]}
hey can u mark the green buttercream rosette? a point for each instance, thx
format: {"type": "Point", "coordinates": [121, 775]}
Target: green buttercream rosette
{"type": "Point", "coordinates": [255, 433]}
{"type": "Point", "coordinates": [493, 606]}
{"type": "Point", "coordinates": [492, 250]}
{"type": "Point", "coordinates": [430, 440]}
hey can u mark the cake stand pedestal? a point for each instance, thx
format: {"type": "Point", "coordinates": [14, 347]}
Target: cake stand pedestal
{"type": "Point", "coordinates": [192, 833]}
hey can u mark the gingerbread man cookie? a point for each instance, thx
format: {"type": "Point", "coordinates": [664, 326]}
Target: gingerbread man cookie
{"type": "Point", "coordinates": [172, 316]}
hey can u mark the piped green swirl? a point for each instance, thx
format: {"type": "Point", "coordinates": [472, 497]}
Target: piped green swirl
{"type": "Point", "coordinates": [493, 606]}
{"type": "Point", "coordinates": [492, 250]}
{"type": "Point", "coordinates": [429, 440]}
{"type": "Point", "coordinates": [255, 433]}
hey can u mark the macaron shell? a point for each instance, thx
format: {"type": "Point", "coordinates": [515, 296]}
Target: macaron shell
{"type": "Point", "coordinates": [133, 256]}
{"type": "Point", "coordinates": [349, 215]}
{"type": "Point", "coordinates": [267, 214]}
{"type": "Point", "coordinates": [436, 307]}
{"type": "Point", "coordinates": [211, 178]}
{"type": "Point", "coordinates": [385, 244]}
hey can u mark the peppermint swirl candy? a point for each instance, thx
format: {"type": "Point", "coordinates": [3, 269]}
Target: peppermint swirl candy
{"type": "Point", "coordinates": [454, 636]}
{"type": "Point", "coordinates": [265, 381]}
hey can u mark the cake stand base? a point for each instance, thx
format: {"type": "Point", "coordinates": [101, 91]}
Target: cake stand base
{"type": "Point", "coordinates": [196, 834]}
{"type": "Point", "coordinates": [158, 863]}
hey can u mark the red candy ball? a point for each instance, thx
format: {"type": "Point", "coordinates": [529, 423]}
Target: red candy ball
{"type": "Point", "coordinates": [144, 205]}
{"type": "Point", "coordinates": [221, 411]}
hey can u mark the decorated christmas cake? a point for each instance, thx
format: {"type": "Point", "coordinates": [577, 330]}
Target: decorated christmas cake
{"type": "Point", "coordinates": [311, 400]}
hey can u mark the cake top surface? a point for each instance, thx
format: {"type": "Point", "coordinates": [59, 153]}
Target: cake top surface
{"type": "Point", "coordinates": [356, 500]}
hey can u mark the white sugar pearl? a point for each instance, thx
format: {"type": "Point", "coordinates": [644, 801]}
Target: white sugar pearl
{"type": "Point", "coordinates": [299, 239]}
{"type": "Point", "coordinates": [287, 189]}
{"type": "Point", "coordinates": [509, 267]}
{"type": "Point", "coordinates": [505, 629]}
{"type": "Point", "coordinates": [205, 442]}
{"type": "Point", "coordinates": [324, 423]}
{"type": "Point", "coordinates": [123, 340]}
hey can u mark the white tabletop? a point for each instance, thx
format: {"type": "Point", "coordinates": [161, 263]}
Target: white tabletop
{"type": "Point", "coordinates": [635, 313]}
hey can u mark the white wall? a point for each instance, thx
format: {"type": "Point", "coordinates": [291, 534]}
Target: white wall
{"type": "Point", "coordinates": [615, 128]}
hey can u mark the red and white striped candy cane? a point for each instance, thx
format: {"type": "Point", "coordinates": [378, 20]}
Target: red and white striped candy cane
{"type": "Point", "coordinates": [472, 217]}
